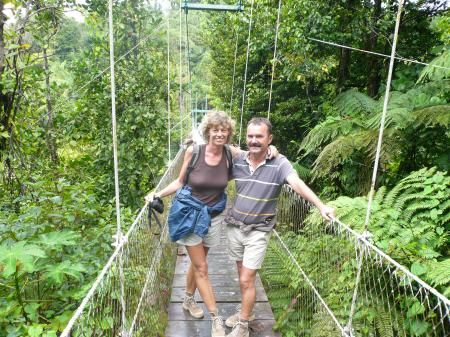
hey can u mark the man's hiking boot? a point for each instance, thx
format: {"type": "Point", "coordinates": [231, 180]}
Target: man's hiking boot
{"type": "Point", "coordinates": [217, 329]}
{"type": "Point", "coordinates": [233, 319]}
{"type": "Point", "coordinates": [240, 329]}
{"type": "Point", "coordinates": [190, 305]}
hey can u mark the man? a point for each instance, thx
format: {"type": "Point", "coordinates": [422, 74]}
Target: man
{"type": "Point", "coordinates": [253, 216]}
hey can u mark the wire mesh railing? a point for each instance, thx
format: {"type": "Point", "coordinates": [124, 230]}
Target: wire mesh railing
{"type": "Point", "coordinates": [325, 279]}
{"type": "Point", "coordinates": [131, 293]}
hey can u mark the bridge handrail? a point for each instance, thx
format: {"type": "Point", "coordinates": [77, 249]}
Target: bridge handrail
{"type": "Point", "coordinates": [121, 243]}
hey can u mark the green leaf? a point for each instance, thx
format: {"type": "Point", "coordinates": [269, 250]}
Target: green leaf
{"type": "Point", "coordinates": [19, 256]}
{"type": "Point", "coordinates": [56, 240]}
{"type": "Point", "coordinates": [50, 333]}
{"type": "Point", "coordinates": [57, 272]}
{"type": "Point", "coordinates": [418, 268]}
{"type": "Point", "coordinates": [32, 310]}
{"type": "Point", "coordinates": [35, 330]}
{"type": "Point", "coordinates": [416, 309]}
{"type": "Point", "coordinates": [418, 327]}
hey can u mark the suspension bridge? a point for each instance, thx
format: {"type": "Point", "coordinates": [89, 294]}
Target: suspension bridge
{"type": "Point", "coordinates": [344, 286]}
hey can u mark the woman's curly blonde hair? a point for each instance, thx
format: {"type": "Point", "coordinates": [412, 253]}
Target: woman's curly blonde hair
{"type": "Point", "coordinates": [216, 118]}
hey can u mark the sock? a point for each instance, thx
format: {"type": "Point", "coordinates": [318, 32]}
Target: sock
{"type": "Point", "coordinates": [188, 294]}
{"type": "Point", "coordinates": [245, 321]}
{"type": "Point", "coordinates": [214, 313]}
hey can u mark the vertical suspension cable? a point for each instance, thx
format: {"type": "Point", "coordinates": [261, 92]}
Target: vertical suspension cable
{"type": "Point", "coordinates": [188, 59]}
{"type": "Point", "coordinates": [114, 123]}
{"type": "Point", "coordinates": [168, 87]}
{"type": "Point", "coordinates": [383, 116]}
{"type": "Point", "coordinates": [246, 69]}
{"type": "Point", "coordinates": [375, 168]}
{"type": "Point", "coordinates": [234, 72]}
{"type": "Point", "coordinates": [274, 60]}
{"type": "Point", "coordinates": [181, 81]}
{"type": "Point", "coordinates": [115, 158]}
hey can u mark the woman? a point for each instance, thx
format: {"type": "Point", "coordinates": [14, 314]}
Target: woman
{"type": "Point", "coordinates": [207, 182]}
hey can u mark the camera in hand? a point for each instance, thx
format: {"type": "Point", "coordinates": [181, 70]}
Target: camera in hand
{"type": "Point", "coordinates": [157, 205]}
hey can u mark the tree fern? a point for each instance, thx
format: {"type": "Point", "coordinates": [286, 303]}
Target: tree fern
{"type": "Point", "coordinates": [341, 149]}
{"type": "Point", "coordinates": [354, 103]}
{"type": "Point", "coordinates": [328, 131]}
{"type": "Point", "coordinates": [433, 73]}
{"type": "Point", "coordinates": [433, 115]}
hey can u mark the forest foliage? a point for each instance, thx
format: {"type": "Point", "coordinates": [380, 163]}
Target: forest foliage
{"type": "Point", "coordinates": [57, 217]}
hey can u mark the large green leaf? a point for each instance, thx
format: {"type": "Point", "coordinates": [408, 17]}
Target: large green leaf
{"type": "Point", "coordinates": [56, 272]}
{"type": "Point", "coordinates": [19, 256]}
{"type": "Point", "coordinates": [56, 240]}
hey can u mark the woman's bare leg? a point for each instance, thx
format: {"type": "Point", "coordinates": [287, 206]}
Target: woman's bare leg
{"type": "Point", "coordinates": [199, 265]}
{"type": "Point", "coordinates": [191, 285]}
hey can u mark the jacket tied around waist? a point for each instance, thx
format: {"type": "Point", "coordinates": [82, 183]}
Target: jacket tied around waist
{"type": "Point", "coordinates": [190, 215]}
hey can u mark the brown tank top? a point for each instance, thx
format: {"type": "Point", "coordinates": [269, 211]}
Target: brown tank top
{"type": "Point", "coordinates": [208, 182]}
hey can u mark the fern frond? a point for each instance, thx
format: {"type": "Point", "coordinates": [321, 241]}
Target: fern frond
{"type": "Point", "coordinates": [303, 172]}
{"type": "Point", "coordinates": [432, 73]}
{"type": "Point", "coordinates": [354, 103]}
{"type": "Point", "coordinates": [404, 200]}
{"type": "Point", "coordinates": [341, 149]}
{"type": "Point", "coordinates": [439, 272]}
{"type": "Point", "coordinates": [383, 323]}
{"type": "Point", "coordinates": [327, 131]}
{"type": "Point", "coordinates": [433, 115]}
{"type": "Point", "coordinates": [379, 195]}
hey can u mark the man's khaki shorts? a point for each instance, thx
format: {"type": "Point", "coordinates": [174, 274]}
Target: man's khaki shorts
{"type": "Point", "coordinates": [250, 248]}
{"type": "Point", "coordinates": [211, 239]}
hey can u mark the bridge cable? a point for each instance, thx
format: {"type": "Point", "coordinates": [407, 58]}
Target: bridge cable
{"type": "Point", "coordinates": [188, 59]}
{"type": "Point", "coordinates": [234, 71]}
{"type": "Point", "coordinates": [377, 54]}
{"type": "Point", "coordinates": [168, 88]}
{"type": "Point", "coordinates": [274, 60]}
{"type": "Point", "coordinates": [181, 80]}
{"type": "Point", "coordinates": [377, 159]}
{"type": "Point", "coordinates": [115, 159]}
{"type": "Point", "coordinates": [246, 69]}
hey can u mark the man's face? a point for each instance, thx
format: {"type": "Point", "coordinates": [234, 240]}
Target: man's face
{"type": "Point", "coordinates": [258, 138]}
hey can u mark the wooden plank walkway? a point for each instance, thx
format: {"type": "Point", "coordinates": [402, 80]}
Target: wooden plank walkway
{"type": "Point", "coordinates": [224, 279]}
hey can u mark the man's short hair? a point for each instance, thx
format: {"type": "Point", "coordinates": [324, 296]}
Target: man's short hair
{"type": "Point", "coordinates": [259, 121]}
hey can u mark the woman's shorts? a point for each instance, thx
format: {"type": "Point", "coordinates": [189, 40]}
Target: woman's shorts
{"type": "Point", "coordinates": [211, 239]}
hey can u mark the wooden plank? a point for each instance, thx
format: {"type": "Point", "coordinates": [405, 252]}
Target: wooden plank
{"type": "Point", "coordinates": [223, 294]}
{"type": "Point", "coordinates": [217, 280]}
{"type": "Point", "coordinates": [202, 328]}
{"type": "Point", "coordinates": [262, 311]}
{"type": "Point", "coordinates": [213, 268]}
{"type": "Point", "coordinates": [224, 279]}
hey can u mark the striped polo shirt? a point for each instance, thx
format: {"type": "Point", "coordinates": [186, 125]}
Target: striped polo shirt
{"type": "Point", "coordinates": [257, 192]}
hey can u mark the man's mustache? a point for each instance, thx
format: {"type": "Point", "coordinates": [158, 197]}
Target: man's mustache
{"type": "Point", "coordinates": [254, 144]}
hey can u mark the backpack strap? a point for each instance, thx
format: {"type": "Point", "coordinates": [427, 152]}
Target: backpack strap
{"type": "Point", "coordinates": [192, 162]}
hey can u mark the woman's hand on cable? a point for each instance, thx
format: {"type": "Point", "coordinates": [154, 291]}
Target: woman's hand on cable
{"type": "Point", "coordinates": [151, 196]}
{"type": "Point", "coordinates": [272, 152]}
{"type": "Point", "coordinates": [327, 212]}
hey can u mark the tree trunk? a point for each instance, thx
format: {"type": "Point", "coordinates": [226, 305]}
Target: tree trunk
{"type": "Point", "coordinates": [373, 65]}
{"type": "Point", "coordinates": [344, 59]}
{"type": "Point", "coordinates": [344, 63]}
{"type": "Point", "coordinates": [51, 143]}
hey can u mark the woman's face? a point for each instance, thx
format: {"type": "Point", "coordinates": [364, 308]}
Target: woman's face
{"type": "Point", "coordinates": [218, 135]}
